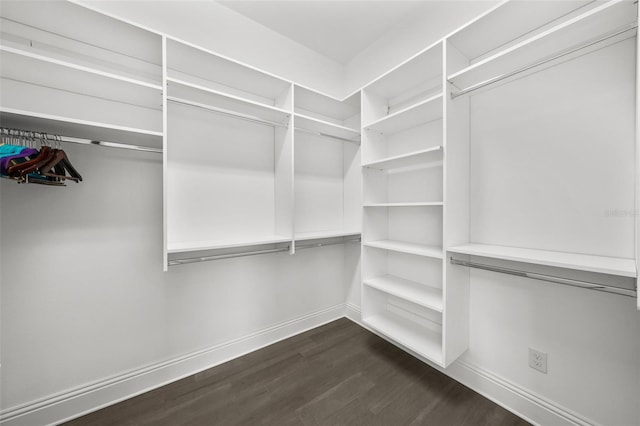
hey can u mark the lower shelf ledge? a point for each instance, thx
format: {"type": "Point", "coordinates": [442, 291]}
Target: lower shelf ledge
{"type": "Point", "coordinates": [418, 339]}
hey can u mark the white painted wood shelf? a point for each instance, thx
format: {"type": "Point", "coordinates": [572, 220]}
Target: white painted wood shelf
{"type": "Point", "coordinates": [316, 235]}
{"type": "Point", "coordinates": [423, 112]}
{"type": "Point", "coordinates": [415, 204]}
{"type": "Point", "coordinates": [409, 248]}
{"type": "Point", "coordinates": [315, 125]}
{"type": "Point", "coordinates": [413, 336]}
{"type": "Point", "coordinates": [66, 126]}
{"type": "Point", "coordinates": [414, 158]}
{"type": "Point", "coordinates": [581, 262]}
{"type": "Point", "coordinates": [562, 38]}
{"type": "Point", "coordinates": [189, 246]}
{"type": "Point", "coordinates": [207, 97]}
{"type": "Point", "coordinates": [420, 294]}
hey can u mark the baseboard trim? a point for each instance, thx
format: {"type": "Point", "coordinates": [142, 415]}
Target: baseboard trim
{"type": "Point", "coordinates": [84, 399]}
{"type": "Point", "coordinates": [515, 398]}
{"type": "Point", "coordinates": [353, 313]}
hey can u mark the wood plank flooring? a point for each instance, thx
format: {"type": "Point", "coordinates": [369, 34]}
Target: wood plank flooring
{"type": "Point", "coordinates": [337, 374]}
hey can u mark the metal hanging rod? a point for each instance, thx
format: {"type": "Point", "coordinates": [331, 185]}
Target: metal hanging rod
{"type": "Point", "coordinates": [254, 252]}
{"type": "Point", "coordinates": [326, 135]}
{"type": "Point", "coordinates": [544, 277]}
{"type": "Point", "coordinates": [226, 256]}
{"type": "Point", "coordinates": [566, 52]}
{"type": "Point", "coordinates": [234, 114]}
{"type": "Point", "coordinates": [26, 134]}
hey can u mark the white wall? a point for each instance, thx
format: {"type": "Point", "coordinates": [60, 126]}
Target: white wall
{"type": "Point", "coordinates": [84, 296]}
{"type": "Point", "coordinates": [551, 154]}
{"type": "Point", "coordinates": [226, 32]}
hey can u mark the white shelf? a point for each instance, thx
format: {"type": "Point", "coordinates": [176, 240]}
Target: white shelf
{"type": "Point", "coordinates": [414, 292]}
{"type": "Point", "coordinates": [409, 248]}
{"type": "Point", "coordinates": [315, 125]}
{"type": "Point", "coordinates": [567, 35]}
{"type": "Point", "coordinates": [316, 235]}
{"type": "Point", "coordinates": [423, 156]}
{"type": "Point", "coordinates": [420, 340]}
{"type": "Point", "coordinates": [51, 66]}
{"type": "Point", "coordinates": [65, 126]}
{"type": "Point", "coordinates": [419, 204]}
{"type": "Point", "coordinates": [23, 66]}
{"type": "Point", "coordinates": [423, 112]}
{"type": "Point", "coordinates": [225, 101]}
{"type": "Point", "coordinates": [188, 246]}
{"type": "Point", "coordinates": [581, 262]}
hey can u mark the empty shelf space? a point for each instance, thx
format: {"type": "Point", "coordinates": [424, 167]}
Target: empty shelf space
{"type": "Point", "coordinates": [423, 156]}
{"type": "Point", "coordinates": [63, 126]}
{"type": "Point", "coordinates": [603, 22]}
{"type": "Point", "coordinates": [195, 95]}
{"type": "Point", "coordinates": [581, 262]}
{"type": "Point", "coordinates": [421, 340]}
{"type": "Point", "coordinates": [316, 235]}
{"type": "Point", "coordinates": [183, 247]}
{"type": "Point", "coordinates": [409, 248]}
{"type": "Point", "coordinates": [414, 292]}
{"type": "Point", "coordinates": [423, 112]}
{"type": "Point", "coordinates": [48, 66]}
{"type": "Point", "coordinates": [324, 128]}
{"type": "Point", "coordinates": [417, 204]}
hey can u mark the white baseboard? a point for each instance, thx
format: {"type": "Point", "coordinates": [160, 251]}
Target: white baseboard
{"type": "Point", "coordinates": [85, 399]}
{"type": "Point", "coordinates": [513, 397]}
{"type": "Point", "coordinates": [353, 313]}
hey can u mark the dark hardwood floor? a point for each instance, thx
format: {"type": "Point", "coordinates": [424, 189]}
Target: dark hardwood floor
{"type": "Point", "coordinates": [337, 374]}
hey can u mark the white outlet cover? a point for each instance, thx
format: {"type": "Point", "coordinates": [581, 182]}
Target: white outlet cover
{"type": "Point", "coordinates": [538, 360]}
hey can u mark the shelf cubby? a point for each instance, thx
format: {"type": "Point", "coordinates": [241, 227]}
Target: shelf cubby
{"type": "Point", "coordinates": [405, 87]}
{"type": "Point", "coordinates": [205, 98]}
{"type": "Point", "coordinates": [307, 124]}
{"type": "Point", "coordinates": [427, 156]}
{"type": "Point", "coordinates": [205, 69]}
{"type": "Point", "coordinates": [410, 325]}
{"type": "Point", "coordinates": [423, 112]}
{"type": "Point", "coordinates": [419, 185]}
{"type": "Point", "coordinates": [406, 247]}
{"type": "Point", "coordinates": [614, 21]}
{"type": "Point", "coordinates": [324, 109]}
{"type": "Point", "coordinates": [429, 297]}
{"type": "Point", "coordinates": [94, 42]}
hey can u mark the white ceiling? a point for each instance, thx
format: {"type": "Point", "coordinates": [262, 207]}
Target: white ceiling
{"type": "Point", "coordinates": [338, 30]}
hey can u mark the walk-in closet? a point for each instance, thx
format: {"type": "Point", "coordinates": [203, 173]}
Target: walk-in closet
{"type": "Point", "coordinates": [223, 212]}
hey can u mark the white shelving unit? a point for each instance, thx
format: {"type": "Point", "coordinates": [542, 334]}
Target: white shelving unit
{"type": "Point", "coordinates": [57, 78]}
{"type": "Point", "coordinates": [543, 44]}
{"type": "Point", "coordinates": [326, 163]}
{"type": "Point", "coordinates": [404, 162]}
{"type": "Point", "coordinates": [229, 172]}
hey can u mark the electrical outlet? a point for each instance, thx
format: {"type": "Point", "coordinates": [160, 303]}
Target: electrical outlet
{"type": "Point", "coordinates": [538, 360]}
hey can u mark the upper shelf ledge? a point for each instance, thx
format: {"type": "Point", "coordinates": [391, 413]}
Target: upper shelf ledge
{"type": "Point", "coordinates": [602, 25]}
{"type": "Point", "coordinates": [582, 262]}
